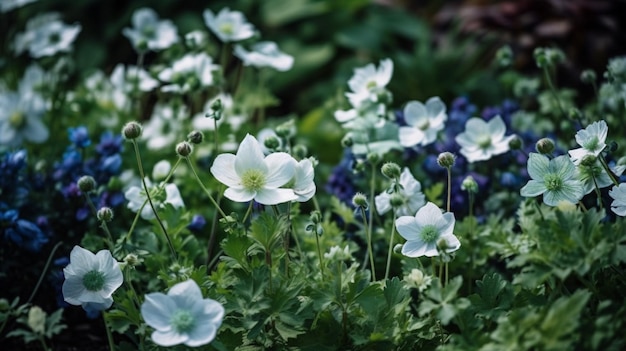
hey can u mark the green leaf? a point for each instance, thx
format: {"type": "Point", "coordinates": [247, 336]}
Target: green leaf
{"type": "Point", "coordinates": [268, 229]}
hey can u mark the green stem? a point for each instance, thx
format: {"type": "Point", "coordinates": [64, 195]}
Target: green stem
{"type": "Point", "coordinates": [319, 254]}
{"type": "Point", "coordinates": [608, 170]}
{"type": "Point", "coordinates": [206, 191]}
{"type": "Point", "coordinates": [43, 273]}
{"type": "Point", "coordinates": [393, 230]}
{"type": "Point", "coordinates": [554, 93]}
{"type": "Point", "coordinates": [245, 217]}
{"type": "Point", "coordinates": [449, 188]}
{"type": "Point", "coordinates": [108, 331]}
{"type": "Point", "coordinates": [368, 234]}
{"type": "Point", "coordinates": [103, 224]}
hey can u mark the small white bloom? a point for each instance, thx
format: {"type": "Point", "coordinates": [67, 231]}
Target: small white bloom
{"type": "Point", "coordinates": [304, 186]}
{"type": "Point", "coordinates": [411, 193]}
{"type": "Point", "coordinates": [132, 78]}
{"type": "Point", "coordinates": [618, 193]}
{"type": "Point", "coordinates": [368, 83]}
{"type": "Point", "coordinates": [161, 169]}
{"type": "Point", "coordinates": [417, 279]}
{"type": "Point", "coordinates": [182, 316]}
{"type": "Point", "coordinates": [149, 33]}
{"type": "Point", "coordinates": [481, 140]}
{"type": "Point", "coordinates": [165, 127]}
{"type": "Point", "coordinates": [264, 54]}
{"type": "Point", "coordinates": [228, 25]}
{"type": "Point", "coordinates": [160, 195]}
{"type": "Point", "coordinates": [592, 139]}
{"type": "Point", "coordinates": [250, 175]}
{"type": "Point", "coordinates": [336, 253]}
{"type": "Point", "coordinates": [90, 280]}
{"type": "Point", "coordinates": [424, 122]}
{"type": "Point", "coordinates": [556, 179]}
{"type": "Point", "coordinates": [425, 230]}
{"type": "Point", "coordinates": [191, 72]}
{"type": "Point", "coordinates": [46, 35]}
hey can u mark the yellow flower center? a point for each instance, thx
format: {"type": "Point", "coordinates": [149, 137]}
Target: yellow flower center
{"type": "Point", "coordinates": [17, 119]}
{"type": "Point", "coordinates": [253, 180]}
{"type": "Point", "coordinates": [227, 28]}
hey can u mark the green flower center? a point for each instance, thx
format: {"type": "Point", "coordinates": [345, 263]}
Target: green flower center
{"type": "Point", "coordinates": [93, 280]}
{"type": "Point", "coordinates": [553, 182]}
{"type": "Point", "coordinates": [429, 234]}
{"type": "Point", "coordinates": [592, 144]}
{"type": "Point", "coordinates": [371, 84]}
{"type": "Point", "coordinates": [484, 141]}
{"type": "Point", "coordinates": [54, 38]}
{"type": "Point", "coordinates": [253, 180]}
{"type": "Point", "coordinates": [424, 124]}
{"type": "Point", "coordinates": [17, 119]}
{"type": "Point", "coordinates": [227, 28]}
{"type": "Point", "coordinates": [182, 321]}
{"type": "Point", "coordinates": [149, 31]}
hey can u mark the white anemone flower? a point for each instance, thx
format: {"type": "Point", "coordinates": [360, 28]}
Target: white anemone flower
{"type": "Point", "coordinates": [160, 195]}
{"type": "Point", "coordinates": [46, 35]}
{"type": "Point", "coordinates": [304, 186]}
{"type": "Point", "coordinates": [182, 316]}
{"type": "Point", "coordinates": [411, 194]}
{"type": "Point", "coordinates": [264, 54]}
{"type": "Point", "coordinates": [132, 78]}
{"type": "Point", "coordinates": [368, 83]}
{"type": "Point", "coordinates": [425, 231]}
{"type": "Point", "coordinates": [149, 33]}
{"type": "Point", "coordinates": [424, 122]}
{"type": "Point", "coordinates": [592, 139]}
{"type": "Point", "coordinates": [191, 72]}
{"type": "Point", "coordinates": [556, 179]}
{"type": "Point", "coordinates": [482, 140]}
{"type": "Point", "coordinates": [228, 26]}
{"type": "Point", "coordinates": [618, 193]}
{"type": "Point", "coordinates": [250, 175]}
{"type": "Point", "coordinates": [91, 279]}
{"type": "Point", "coordinates": [165, 127]}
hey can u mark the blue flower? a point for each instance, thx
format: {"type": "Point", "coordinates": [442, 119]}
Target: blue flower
{"type": "Point", "coordinates": [79, 136]}
{"type": "Point", "coordinates": [25, 234]}
{"type": "Point", "coordinates": [197, 223]}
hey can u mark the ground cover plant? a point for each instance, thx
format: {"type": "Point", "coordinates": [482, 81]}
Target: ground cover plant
{"type": "Point", "coordinates": [180, 202]}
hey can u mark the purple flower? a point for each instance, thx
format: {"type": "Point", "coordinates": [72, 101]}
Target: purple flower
{"type": "Point", "coordinates": [197, 223]}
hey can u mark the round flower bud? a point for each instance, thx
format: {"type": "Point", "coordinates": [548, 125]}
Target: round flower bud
{"type": "Point", "coordinates": [347, 140]}
{"type": "Point", "coordinates": [105, 214]}
{"type": "Point", "coordinates": [131, 130]}
{"type": "Point", "coordinates": [184, 149]}
{"type": "Point", "coordinates": [132, 260]}
{"type": "Point", "coordinates": [86, 184]}
{"type": "Point", "coordinates": [612, 146]}
{"type": "Point", "coordinates": [588, 160]}
{"type": "Point", "coordinates": [373, 158]}
{"type": "Point", "coordinates": [504, 56]}
{"type": "Point", "coordinates": [397, 248]}
{"type": "Point", "coordinates": [315, 217]}
{"type": "Point", "coordinates": [286, 130]}
{"type": "Point", "coordinates": [360, 200]}
{"type": "Point", "coordinates": [516, 143]}
{"type": "Point", "coordinates": [300, 151]}
{"type": "Point", "coordinates": [442, 245]}
{"type": "Point", "coordinates": [396, 200]}
{"type": "Point", "coordinates": [588, 76]}
{"type": "Point", "coordinates": [271, 142]}
{"type": "Point", "coordinates": [446, 159]}
{"type": "Point", "coordinates": [544, 146]}
{"type": "Point", "coordinates": [391, 170]}
{"type": "Point", "coordinates": [195, 137]}
{"type": "Point", "coordinates": [469, 185]}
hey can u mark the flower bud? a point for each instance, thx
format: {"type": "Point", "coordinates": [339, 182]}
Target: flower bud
{"type": "Point", "coordinates": [544, 146]}
{"type": "Point", "coordinates": [360, 200]}
{"type": "Point", "coordinates": [195, 137]}
{"type": "Point", "coordinates": [446, 159]}
{"type": "Point", "coordinates": [286, 130]}
{"type": "Point", "coordinates": [132, 260]}
{"type": "Point", "coordinates": [131, 130]}
{"type": "Point", "coordinates": [588, 160]}
{"type": "Point", "coordinates": [588, 76]}
{"type": "Point", "coordinates": [442, 245]}
{"type": "Point", "coordinates": [183, 149]}
{"type": "Point", "coordinates": [516, 143]}
{"type": "Point", "coordinates": [347, 140]}
{"type": "Point", "coordinates": [469, 184]}
{"type": "Point", "coordinates": [86, 184]}
{"type": "Point", "coordinates": [105, 214]}
{"type": "Point", "coordinates": [300, 151]}
{"type": "Point", "coordinates": [271, 142]}
{"type": "Point", "coordinates": [391, 170]}
{"type": "Point", "coordinates": [504, 56]}
{"type": "Point", "coordinates": [396, 200]}
{"type": "Point", "coordinates": [373, 158]}
{"type": "Point", "coordinates": [315, 217]}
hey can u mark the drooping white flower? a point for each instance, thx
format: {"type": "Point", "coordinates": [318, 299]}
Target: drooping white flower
{"type": "Point", "coordinates": [150, 33]}
{"type": "Point", "coordinates": [132, 78]}
{"type": "Point", "coordinates": [250, 175]}
{"type": "Point", "coordinates": [425, 230]}
{"type": "Point", "coordinates": [424, 122]}
{"type": "Point", "coordinates": [161, 195]}
{"type": "Point", "coordinates": [368, 83]}
{"type": "Point", "coordinates": [411, 194]}
{"type": "Point", "coordinates": [618, 193]}
{"type": "Point", "coordinates": [264, 54]}
{"type": "Point", "coordinates": [556, 179]}
{"type": "Point", "coordinates": [90, 280]}
{"type": "Point", "coordinates": [182, 316]}
{"type": "Point", "coordinates": [304, 186]}
{"type": "Point", "coordinates": [592, 139]}
{"type": "Point", "coordinates": [191, 72]}
{"type": "Point", "coordinates": [481, 140]}
{"type": "Point", "coordinates": [228, 26]}
{"type": "Point", "coordinates": [46, 35]}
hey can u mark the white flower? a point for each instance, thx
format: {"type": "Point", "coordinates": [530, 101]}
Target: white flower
{"type": "Point", "coordinates": [556, 179]}
{"type": "Point", "coordinates": [304, 186]}
{"type": "Point", "coordinates": [424, 232]}
{"type": "Point", "coordinates": [150, 33]}
{"type": "Point", "coordinates": [251, 175]}
{"type": "Point", "coordinates": [424, 122]}
{"type": "Point", "coordinates": [137, 199]}
{"type": "Point", "coordinates": [161, 170]}
{"type": "Point", "coordinates": [188, 73]}
{"type": "Point", "coordinates": [228, 25]}
{"type": "Point", "coordinates": [368, 83]}
{"type": "Point", "coordinates": [182, 316]}
{"type": "Point", "coordinates": [132, 78]}
{"type": "Point", "coordinates": [592, 141]}
{"type": "Point", "coordinates": [417, 279]}
{"type": "Point", "coordinates": [618, 193]}
{"type": "Point", "coordinates": [411, 194]}
{"type": "Point", "coordinates": [235, 120]}
{"type": "Point", "coordinates": [336, 253]}
{"type": "Point", "coordinates": [8, 5]}
{"type": "Point", "coordinates": [165, 127]}
{"type": "Point", "coordinates": [90, 280]}
{"type": "Point", "coordinates": [46, 35]}
{"type": "Point", "coordinates": [481, 140]}
{"type": "Point", "coordinates": [264, 54]}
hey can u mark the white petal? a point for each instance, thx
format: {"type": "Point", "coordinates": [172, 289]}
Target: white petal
{"type": "Point", "coordinates": [249, 156]}
{"type": "Point", "coordinates": [382, 203]}
{"type": "Point", "coordinates": [538, 166]}
{"type": "Point", "coordinates": [410, 136]}
{"type": "Point", "coordinates": [429, 214]}
{"type": "Point", "coordinates": [415, 113]}
{"type": "Point", "coordinates": [223, 170]}
{"type": "Point", "coordinates": [157, 310]}
{"type": "Point", "coordinates": [275, 196]}
{"type": "Point", "coordinates": [415, 248]}
{"type": "Point", "coordinates": [239, 194]}
{"type": "Point", "coordinates": [533, 188]}
{"type": "Point", "coordinates": [281, 169]}
{"type": "Point", "coordinates": [407, 228]}
{"type": "Point", "coordinates": [497, 128]}
{"type": "Point", "coordinates": [168, 338]}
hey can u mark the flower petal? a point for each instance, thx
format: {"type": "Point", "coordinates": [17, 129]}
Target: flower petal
{"type": "Point", "coordinates": [157, 310]}
{"type": "Point", "coordinates": [223, 170]}
{"type": "Point", "coordinates": [168, 338]}
{"type": "Point", "coordinates": [281, 169]}
{"type": "Point", "coordinates": [410, 136]}
{"type": "Point", "coordinates": [414, 248]}
{"type": "Point", "coordinates": [239, 194]}
{"type": "Point", "coordinates": [533, 188]}
{"type": "Point", "coordinates": [249, 156]}
{"type": "Point", "coordinates": [274, 196]}
{"type": "Point", "coordinates": [407, 228]}
{"type": "Point", "coordinates": [414, 113]}
{"type": "Point", "coordinates": [538, 166]}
